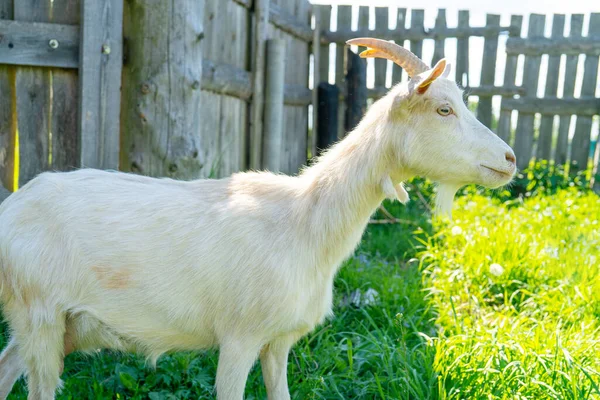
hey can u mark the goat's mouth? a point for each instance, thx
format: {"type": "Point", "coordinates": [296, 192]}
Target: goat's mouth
{"type": "Point", "coordinates": [504, 173]}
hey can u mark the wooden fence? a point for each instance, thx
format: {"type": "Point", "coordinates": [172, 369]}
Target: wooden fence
{"type": "Point", "coordinates": [164, 88]}
{"type": "Point", "coordinates": [199, 88]}
{"type": "Point", "coordinates": [516, 116]}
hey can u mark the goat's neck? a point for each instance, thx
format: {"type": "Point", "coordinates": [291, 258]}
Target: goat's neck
{"type": "Point", "coordinates": [345, 189]}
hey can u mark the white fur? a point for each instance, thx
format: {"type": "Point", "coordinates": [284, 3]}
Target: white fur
{"type": "Point", "coordinates": [92, 259]}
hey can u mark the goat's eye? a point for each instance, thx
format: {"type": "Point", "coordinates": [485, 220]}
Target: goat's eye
{"type": "Point", "coordinates": [444, 111]}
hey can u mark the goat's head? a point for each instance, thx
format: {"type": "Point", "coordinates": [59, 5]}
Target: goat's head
{"type": "Point", "coordinates": [431, 130]}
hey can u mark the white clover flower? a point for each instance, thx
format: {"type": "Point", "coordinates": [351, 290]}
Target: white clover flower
{"type": "Point", "coordinates": [496, 269]}
{"type": "Point", "coordinates": [456, 230]}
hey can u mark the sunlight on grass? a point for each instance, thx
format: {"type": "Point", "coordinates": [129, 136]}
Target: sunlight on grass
{"type": "Point", "coordinates": [518, 296]}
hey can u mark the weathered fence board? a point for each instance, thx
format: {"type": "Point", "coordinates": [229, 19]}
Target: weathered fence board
{"type": "Point", "coordinates": [562, 142]}
{"type": "Point", "coordinates": [381, 22]}
{"type": "Point", "coordinates": [525, 129]}
{"type": "Point", "coordinates": [356, 82]}
{"type": "Point", "coordinates": [440, 41]}
{"type": "Point", "coordinates": [261, 24]}
{"type": "Point", "coordinates": [325, 14]}
{"type": "Point", "coordinates": [589, 45]}
{"type": "Point", "coordinates": [510, 72]}
{"type": "Point", "coordinates": [33, 99]}
{"type": "Point", "coordinates": [417, 28]}
{"type": "Point", "coordinates": [544, 147]}
{"type": "Point", "coordinates": [39, 44]}
{"type": "Point", "coordinates": [400, 25]}
{"type": "Point", "coordinates": [65, 99]}
{"type": "Point", "coordinates": [161, 89]}
{"type": "Point", "coordinates": [462, 51]}
{"type": "Point", "coordinates": [580, 147]}
{"type": "Point", "coordinates": [273, 140]}
{"type": "Point", "coordinates": [8, 126]}
{"type": "Point", "coordinates": [343, 23]}
{"type": "Point", "coordinates": [100, 63]}
{"type": "Point", "coordinates": [488, 70]}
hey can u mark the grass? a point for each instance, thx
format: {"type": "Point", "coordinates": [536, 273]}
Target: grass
{"type": "Point", "coordinates": [504, 303]}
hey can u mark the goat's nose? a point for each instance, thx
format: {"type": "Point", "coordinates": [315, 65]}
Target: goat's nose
{"type": "Point", "coordinates": [510, 157]}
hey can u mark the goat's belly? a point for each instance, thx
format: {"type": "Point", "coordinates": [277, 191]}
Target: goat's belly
{"type": "Point", "coordinates": [137, 328]}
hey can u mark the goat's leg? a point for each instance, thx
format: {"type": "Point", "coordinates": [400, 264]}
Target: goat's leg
{"type": "Point", "coordinates": [40, 333]}
{"type": "Point", "coordinates": [273, 361]}
{"type": "Point", "coordinates": [12, 367]}
{"type": "Point", "coordinates": [235, 361]}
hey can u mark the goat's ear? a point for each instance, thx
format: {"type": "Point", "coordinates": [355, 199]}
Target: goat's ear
{"type": "Point", "coordinates": [434, 73]}
{"type": "Point", "coordinates": [447, 70]}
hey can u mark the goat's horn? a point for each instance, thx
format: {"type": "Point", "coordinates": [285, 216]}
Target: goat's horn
{"type": "Point", "coordinates": [391, 51]}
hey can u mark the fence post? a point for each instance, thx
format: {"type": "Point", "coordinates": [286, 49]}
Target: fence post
{"type": "Point", "coordinates": [316, 51]}
{"type": "Point", "coordinates": [583, 127]}
{"type": "Point", "coordinates": [273, 123]}
{"type": "Point", "coordinates": [33, 110]}
{"type": "Point", "coordinates": [100, 61]}
{"type": "Point", "coordinates": [462, 51]}
{"type": "Point", "coordinates": [327, 124]}
{"type": "Point", "coordinates": [440, 42]}
{"type": "Point", "coordinates": [160, 117]}
{"type": "Point", "coordinates": [488, 70]}
{"type": "Point", "coordinates": [510, 72]}
{"type": "Point", "coordinates": [524, 136]}
{"type": "Point", "coordinates": [544, 147]}
{"type": "Point", "coordinates": [8, 128]}
{"type": "Point", "coordinates": [344, 20]}
{"type": "Point", "coordinates": [261, 25]}
{"type": "Point", "coordinates": [356, 96]}
{"type": "Point", "coordinates": [562, 142]}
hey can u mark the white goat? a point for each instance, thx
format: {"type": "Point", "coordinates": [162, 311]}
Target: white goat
{"type": "Point", "coordinates": [92, 259]}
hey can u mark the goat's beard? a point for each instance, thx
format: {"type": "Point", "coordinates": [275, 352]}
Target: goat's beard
{"type": "Point", "coordinates": [444, 199]}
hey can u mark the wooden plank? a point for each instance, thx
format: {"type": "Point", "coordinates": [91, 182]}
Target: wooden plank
{"type": "Point", "coordinates": [440, 41]}
{"type": "Point", "coordinates": [341, 36]}
{"type": "Point", "coordinates": [381, 22]}
{"type": "Point", "coordinates": [325, 14]}
{"type": "Point", "coordinates": [288, 23]}
{"type": "Point", "coordinates": [343, 22]}
{"type": "Point", "coordinates": [488, 71]}
{"type": "Point", "coordinates": [261, 22]}
{"type": "Point", "coordinates": [273, 122]}
{"type": "Point", "coordinates": [8, 123]}
{"type": "Point", "coordinates": [101, 59]}
{"type": "Point", "coordinates": [562, 142]}
{"type": "Point", "coordinates": [544, 147]}
{"type": "Point", "coordinates": [492, 90]}
{"type": "Point", "coordinates": [587, 106]}
{"type": "Point", "coordinates": [226, 79]}
{"type": "Point", "coordinates": [524, 137]}
{"type": "Point", "coordinates": [161, 89]}
{"type": "Point", "coordinates": [327, 124]}
{"type": "Point", "coordinates": [400, 25]}
{"type": "Point", "coordinates": [65, 99]}
{"type": "Point", "coordinates": [357, 90]}
{"type": "Point", "coordinates": [29, 43]}
{"type": "Point", "coordinates": [244, 3]}
{"type": "Point", "coordinates": [462, 51]}
{"type": "Point", "coordinates": [417, 27]}
{"type": "Point", "coordinates": [581, 144]}
{"type": "Point", "coordinates": [555, 46]}
{"type": "Point", "coordinates": [3, 194]}
{"type": "Point", "coordinates": [33, 99]}
{"type": "Point", "coordinates": [6, 9]}
{"type": "Point", "coordinates": [316, 51]}
{"type": "Point", "coordinates": [510, 72]}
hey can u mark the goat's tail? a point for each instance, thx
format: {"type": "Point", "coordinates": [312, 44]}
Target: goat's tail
{"type": "Point", "coordinates": [12, 367]}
